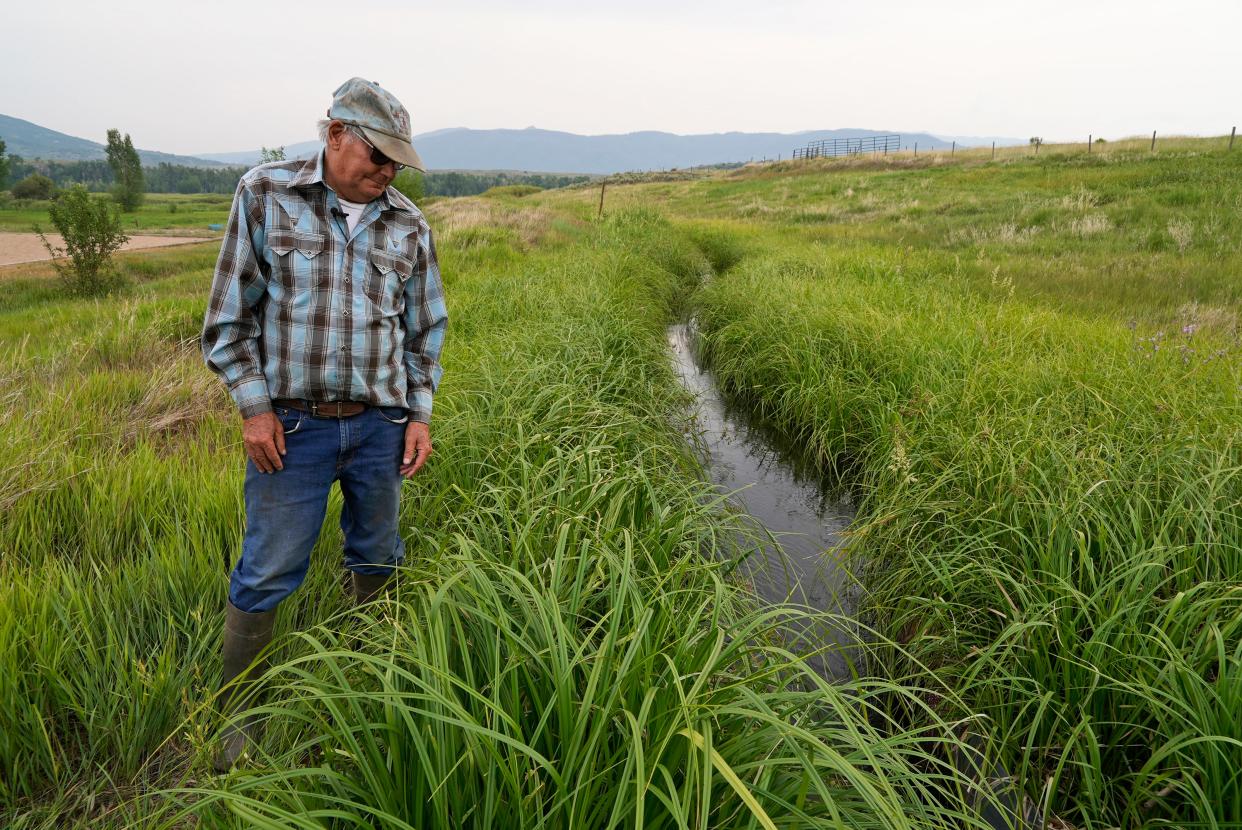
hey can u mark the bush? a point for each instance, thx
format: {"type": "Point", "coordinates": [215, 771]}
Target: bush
{"type": "Point", "coordinates": [91, 230]}
{"type": "Point", "coordinates": [34, 186]}
{"type": "Point", "coordinates": [410, 183]}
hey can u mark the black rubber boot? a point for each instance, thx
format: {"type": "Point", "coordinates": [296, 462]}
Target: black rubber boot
{"type": "Point", "coordinates": [245, 635]}
{"type": "Point", "coordinates": [368, 586]}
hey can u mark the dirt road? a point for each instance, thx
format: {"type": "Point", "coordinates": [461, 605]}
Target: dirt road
{"type": "Point", "coordinates": [25, 247]}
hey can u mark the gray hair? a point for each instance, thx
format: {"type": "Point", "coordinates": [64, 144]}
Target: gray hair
{"type": "Point", "coordinates": [323, 124]}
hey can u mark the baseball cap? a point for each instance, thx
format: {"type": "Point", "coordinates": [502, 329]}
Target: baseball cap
{"type": "Point", "coordinates": [382, 118]}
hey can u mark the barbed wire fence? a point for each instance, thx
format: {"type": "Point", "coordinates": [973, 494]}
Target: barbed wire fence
{"type": "Point", "coordinates": [883, 145]}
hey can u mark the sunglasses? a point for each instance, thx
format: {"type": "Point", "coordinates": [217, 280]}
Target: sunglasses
{"type": "Point", "coordinates": [377, 158]}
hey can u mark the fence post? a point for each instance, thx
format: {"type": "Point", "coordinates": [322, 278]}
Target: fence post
{"type": "Point", "coordinates": [1232, 133]}
{"type": "Point", "coordinates": [1153, 141]}
{"type": "Point", "coordinates": [916, 149]}
{"type": "Point", "coordinates": [953, 151]}
{"type": "Point", "coordinates": [993, 150]}
{"type": "Point", "coordinates": [602, 185]}
{"type": "Point", "coordinates": [1089, 137]}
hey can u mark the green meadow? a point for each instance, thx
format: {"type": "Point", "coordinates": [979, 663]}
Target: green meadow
{"type": "Point", "coordinates": [1026, 371]}
{"type": "Point", "coordinates": [158, 211]}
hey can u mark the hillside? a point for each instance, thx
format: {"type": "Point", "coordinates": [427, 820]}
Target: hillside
{"type": "Point", "coordinates": [30, 141]}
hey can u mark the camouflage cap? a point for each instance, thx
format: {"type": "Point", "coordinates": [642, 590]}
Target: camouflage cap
{"type": "Point", "coordinates": [381, 117]}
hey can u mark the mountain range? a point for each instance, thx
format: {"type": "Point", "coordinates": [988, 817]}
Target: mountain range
{"type": "Point", "coordinates": [30, 141]}
{"type": "Point", "coordinates": [531, 149]}
{"type": "Point", "coordinates": [552, 151]}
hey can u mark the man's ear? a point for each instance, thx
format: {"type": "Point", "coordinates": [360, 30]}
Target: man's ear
{"type": "Point", "coordinates": [336, 134]}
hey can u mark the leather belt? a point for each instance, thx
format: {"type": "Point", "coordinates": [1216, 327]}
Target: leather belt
{"type": "Point", "coordinates": [324, 409]}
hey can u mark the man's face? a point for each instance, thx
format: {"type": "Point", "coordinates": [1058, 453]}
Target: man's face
{"type": "Point", "coordinates": [350, 171]}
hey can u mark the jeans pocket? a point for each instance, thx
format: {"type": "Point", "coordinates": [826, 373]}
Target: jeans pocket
{"type": "Point", "coordinates": [384, 411]}
{"type": "Point", "coordinates": [290, 419]}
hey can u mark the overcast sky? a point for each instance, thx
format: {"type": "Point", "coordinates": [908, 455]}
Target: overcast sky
{"type": "Point", "coordinates": [221, 76]}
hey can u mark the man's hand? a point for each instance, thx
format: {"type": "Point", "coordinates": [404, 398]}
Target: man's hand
{"type": "Point", "coordinates": [264, 438]}
{"type": "Point", "coordinates": [417, 448]}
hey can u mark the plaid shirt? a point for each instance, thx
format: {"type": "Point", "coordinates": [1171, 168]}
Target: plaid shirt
{"type": "Point", "coordinates": [301, 308]}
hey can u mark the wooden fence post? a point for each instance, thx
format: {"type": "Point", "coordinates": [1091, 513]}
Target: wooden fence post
{"type": "Point", "coordinates": [1153, 141]}
{"type": "Point", "coordinates": [602, 185]}
{"type": "Point", "coordinates": [916, 149]}
{"type": "Point", "coordinates": [953, 151]}
{"type": "Point", "coordinates": [993, 149]}
{"type": "Point", "coordinates": [1089, 137]}
{"type": "Point", "coordinates": [1232, 133]}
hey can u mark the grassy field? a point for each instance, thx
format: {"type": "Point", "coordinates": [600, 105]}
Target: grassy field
{"type": "Point", "coordinates": [1027, 370]}
{"type": "Point", "coordinates": [159, 211]}
{"type": "Point", "coordinates": [567, 649]}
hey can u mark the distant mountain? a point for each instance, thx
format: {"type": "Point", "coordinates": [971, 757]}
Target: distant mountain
{"type": "Point", "coordinates": [30, 141]}
{"type": "Point", "coordinates": [249, 158]}
{"type": "Point", "coordinates": [550, 151]}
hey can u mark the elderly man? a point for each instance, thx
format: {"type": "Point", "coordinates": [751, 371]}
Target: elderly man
{"type": "Point", "coordinates": [325, 321]}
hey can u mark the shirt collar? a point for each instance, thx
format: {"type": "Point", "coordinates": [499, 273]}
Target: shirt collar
{"type": "Point", "coordinates": [312, 173]}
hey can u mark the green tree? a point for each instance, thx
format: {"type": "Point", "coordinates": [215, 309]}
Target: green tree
{"type": "Point", "coordinates": [34, 186]}
{"type": "Point", "coordinates": [126, 169]}
{"type": "Point", "coordinates": [4, 166]}
{"type": "Point", "coordinates": [268, 154]}
{"type": "Point", "coordinates": [91, 233]}
{"type": "Point", "coordinates": [410, 183]}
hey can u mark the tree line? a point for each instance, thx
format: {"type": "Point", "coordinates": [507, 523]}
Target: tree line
{"type": "Point", "coordinates": [98, 177]}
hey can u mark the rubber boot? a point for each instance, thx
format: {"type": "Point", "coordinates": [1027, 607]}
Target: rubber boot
{"type": "Point", "coordinates": [245, 635]}
{"type": "Point", "coordinates": [368, 586]}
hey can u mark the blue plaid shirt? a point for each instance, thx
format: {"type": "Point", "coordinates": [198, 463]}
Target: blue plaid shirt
{"type": "Point", "coordinates": [301, 308]}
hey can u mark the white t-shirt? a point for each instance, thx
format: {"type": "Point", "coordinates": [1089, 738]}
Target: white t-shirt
{"type": "Point", "coordinates": [352, 211]}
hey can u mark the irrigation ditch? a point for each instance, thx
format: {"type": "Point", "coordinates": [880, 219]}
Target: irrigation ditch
{"type": "Point", "coordinates": [803, 559]}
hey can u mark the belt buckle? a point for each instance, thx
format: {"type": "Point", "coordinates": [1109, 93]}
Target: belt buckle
{"type": "Point", "coordinates": [316, 412]}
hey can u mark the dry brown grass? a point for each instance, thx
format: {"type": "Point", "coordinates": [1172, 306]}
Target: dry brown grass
{"type": "Point", "coordinates": [181, 396]}
{"type": "Point", "coordinates": [451, 217]}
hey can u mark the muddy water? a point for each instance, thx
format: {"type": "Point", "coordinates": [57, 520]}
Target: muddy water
{"type": "Point", "coordinates": [803, 564]}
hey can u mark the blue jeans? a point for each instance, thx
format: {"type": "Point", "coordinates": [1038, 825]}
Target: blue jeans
{"type": "Point", "coordinates": [285, 509]}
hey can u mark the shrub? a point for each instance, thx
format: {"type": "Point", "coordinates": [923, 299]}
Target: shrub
{"type": "Point", "coordinates": [517, 190]}
{"type": "Point", "coordinates": [34, 186]}
{"type": "Point", "coordinates": [91, 230]}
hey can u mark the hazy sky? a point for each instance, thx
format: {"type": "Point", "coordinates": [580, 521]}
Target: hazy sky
{"type": "Point", "coordinates": [220, 76]}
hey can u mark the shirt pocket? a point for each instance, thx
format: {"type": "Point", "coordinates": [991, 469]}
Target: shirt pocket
{"type": "Point", "coordinates": [296, 261]}
{"type": "Point", "coordinates": [386, 281]}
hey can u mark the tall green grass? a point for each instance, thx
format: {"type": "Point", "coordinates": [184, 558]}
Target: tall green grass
{"type": "Point", "coordinates": [567, 645]}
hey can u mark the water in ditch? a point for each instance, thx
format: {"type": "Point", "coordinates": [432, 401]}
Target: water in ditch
{"type": "Point", "coordinates": [803, 563]}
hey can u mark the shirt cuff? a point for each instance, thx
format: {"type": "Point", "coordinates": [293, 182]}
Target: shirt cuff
{"type": "Point", "coordinates": [419, 404]}
{"type": "Point", "coordinates": [251, 397]}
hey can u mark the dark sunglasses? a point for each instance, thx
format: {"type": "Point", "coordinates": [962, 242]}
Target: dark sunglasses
{"type": "Point", "coordinates": [377, 158]}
